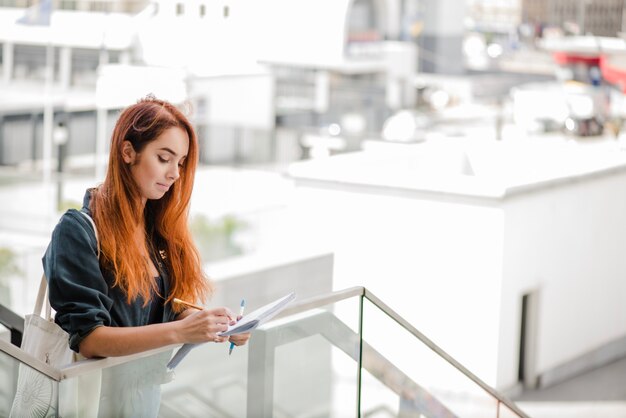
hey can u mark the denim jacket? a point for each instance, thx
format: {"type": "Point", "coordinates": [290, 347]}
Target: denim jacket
{"type": "Point", "coordinates": [81, 290]}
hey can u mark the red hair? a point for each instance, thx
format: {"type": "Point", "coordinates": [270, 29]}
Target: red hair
{"type": "Point", "coordinates": [118, 212]}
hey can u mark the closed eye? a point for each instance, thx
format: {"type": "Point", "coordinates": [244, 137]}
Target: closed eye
{"type": "Point", "coordinates": [181, 164]}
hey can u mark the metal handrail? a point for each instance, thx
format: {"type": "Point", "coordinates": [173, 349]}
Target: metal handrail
{"type": "Point", "coordinates": [321, 300]}
{"type": "Point", "coordinates": [440, 352]}
{"type": "Point", "coordinates": [86, 366]}
{"type": "Point", "coordinates": [14, 323]}
{"type": "Point", "coordinates": [89, 365]}
{"type": "Point", "coordinates": [333, 297]}
{"type": "Point", "coordinates": [23, 357]}
{"type": "Point", "coordinates": [77, 368]}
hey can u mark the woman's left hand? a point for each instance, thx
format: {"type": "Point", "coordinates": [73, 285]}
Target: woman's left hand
{"type": "Point", "coordinates": [239, 339]}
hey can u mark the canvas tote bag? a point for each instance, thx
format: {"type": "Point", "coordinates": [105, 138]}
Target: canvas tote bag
{"type": "Point", "coordinates": [46, 341]}
{"type": "Point", "coordinates": [43, 339]}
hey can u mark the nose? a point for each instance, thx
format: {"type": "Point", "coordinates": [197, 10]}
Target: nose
{"type": "Point", "coordinates": [174, 173]}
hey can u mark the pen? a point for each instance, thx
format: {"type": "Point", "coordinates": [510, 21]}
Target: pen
{"type": "Point", "coordinates": [242, 306]}
{"type": "Point", "coordinates": [189, 304]}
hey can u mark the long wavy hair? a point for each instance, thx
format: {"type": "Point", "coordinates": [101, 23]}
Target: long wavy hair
{"type": "Point", "coordinates": [118, 211]}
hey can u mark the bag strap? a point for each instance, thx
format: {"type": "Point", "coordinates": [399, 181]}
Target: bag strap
{"type": "Point", "coordinates": [95, 230]}
{"type": "Point", "coordinates": [42, 294]}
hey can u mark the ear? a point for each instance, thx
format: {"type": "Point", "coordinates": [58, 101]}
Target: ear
{"type": "Point", "coordinates": [128, 152]}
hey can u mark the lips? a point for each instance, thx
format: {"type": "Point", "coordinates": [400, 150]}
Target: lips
{"type": "Point", "coordinates": [164, 187]}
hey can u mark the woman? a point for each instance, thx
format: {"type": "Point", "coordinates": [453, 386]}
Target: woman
{"type": "Point", "coordinates": [114, 294]}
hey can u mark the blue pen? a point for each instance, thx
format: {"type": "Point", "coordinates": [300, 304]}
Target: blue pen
{"type": "Point", "coordinates": [242, 306]}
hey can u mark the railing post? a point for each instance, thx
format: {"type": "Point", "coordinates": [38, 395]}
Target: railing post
{"type": "Point", "coordinates": [260, 397]}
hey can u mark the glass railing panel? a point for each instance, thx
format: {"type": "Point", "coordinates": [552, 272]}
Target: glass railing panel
{"type": "Point", "coordinates": [307, 362]}
{"type": "Point", "coordinates": [8, 382]}
{"type": "Point", "coordinates": [294, 366]}
{"type": "Point", "coordinates": [423, 382]}
{"type": "Point", "coordinates": [313, 361]}
{"type": "Point", "coordinates": [208, 383]}
{"type": "Point", "coordinates": [132, 388]}
{"type": "Point", "coordinates": [80, 396]}
{"type": "Point", "coordinates": [377, 399]}
{"type": "Point", "coordinates": [25, 391]}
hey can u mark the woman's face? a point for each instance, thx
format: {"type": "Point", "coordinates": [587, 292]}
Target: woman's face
{"type": "Point", "coordinates": [157, 167]}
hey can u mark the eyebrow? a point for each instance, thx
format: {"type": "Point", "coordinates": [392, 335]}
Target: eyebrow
{"type": "Point", "coordinates": [171, 152]}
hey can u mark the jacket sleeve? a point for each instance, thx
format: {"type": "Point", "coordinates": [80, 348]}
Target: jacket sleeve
{"type": "Point", "coordinates": [77, 289]}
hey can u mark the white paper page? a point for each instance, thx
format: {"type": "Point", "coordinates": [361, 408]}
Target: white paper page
{"type": "Point", "coordinates": [259, 315]}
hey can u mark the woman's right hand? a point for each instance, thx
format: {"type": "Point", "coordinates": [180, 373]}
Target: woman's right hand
{"type": "Point", "coordinates": [203, 326]}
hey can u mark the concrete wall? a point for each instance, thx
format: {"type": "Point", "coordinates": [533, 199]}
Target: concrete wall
{"type": "Point", "coordinates": [261, 280]}
{"type": "Point", "coordinates": [438, 264]}
{"type": "Point", "coordinates": [457, 267]}
{"type": "Point", "coordinates": [566, 243]}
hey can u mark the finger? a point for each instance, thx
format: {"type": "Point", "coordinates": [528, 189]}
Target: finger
{"type": "Point", "coordinates": [225, 312]}
{"type": "Point", "coordinates": [219, 328]}
{"type": "Point", "coordinates": [229, 313]}
{"type": "Point", "coordinates": [221, 321]}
